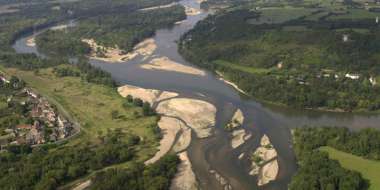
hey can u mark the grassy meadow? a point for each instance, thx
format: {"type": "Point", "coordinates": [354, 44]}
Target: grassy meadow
{"type": "Point", "coordinates": [370, 169]}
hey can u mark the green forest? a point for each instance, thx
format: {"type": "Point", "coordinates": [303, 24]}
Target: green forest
{"type": "Point", "coordinates": [298, 55]}
{"type": "Point", "coordinates": [317, 171]}
{"type": "Point", "coordinates": [118, 134]}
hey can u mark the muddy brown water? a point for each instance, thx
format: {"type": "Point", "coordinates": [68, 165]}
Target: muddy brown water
{"type": "Point", "coordinates": [215, 152]}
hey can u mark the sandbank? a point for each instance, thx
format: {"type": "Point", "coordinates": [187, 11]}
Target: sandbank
{"type": "Point", "coordinates": [267, 167]}
{"type": "Point", "coordinates": [31, 42]}
{"type": "Point", "coordinates": [237, 120]}
{"type": "Point", "coordinates": [268, 173]}
{"type": "Point", "coordinates": [238, 138]}
{"type": "Point", "coordinates": [198, 114]}
{"type": "Point", "coordinates": [114, 54]}
{"type": "Point", "coordinates": [164, 63]}
{"type": "Point", "coordinates": [183, 140]}
{"type": "Point", "coordinates": [148, 95]}
{"type": "Point", "coordinates": [190, 11]}
{"type": "Point", "coordinates": [169, 129]}
{"type": "Point", "coordinates": [83, 185]}
{"type": "Point", "coordinates": [185, 177]}
{"type": "Point", "coordinates": [159, 7]}
{"type": "Point", "coordinates": [230, 83]}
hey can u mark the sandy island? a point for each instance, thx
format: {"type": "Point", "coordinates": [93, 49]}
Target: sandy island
{"type": "Point", "coordinates": [198, 114]}
{"type": "Point", "coordinates": [185, 177]}
{"type": "Point", "coordinates": [109, 54]}
{"type": "Point", "coordinates": [148, 95]}
{"type": "Point", "coordinates": [164, 63]}
{"type": "Point", "coordinates": [159, 7]}
{"type": "Point", "coordinates": [239, 137]}
{"type": "Point", "coordinates": [190, 11]}
{"type": "Point", "coordinates": [264, 162]}
{"type": "Point", "coordinates": [169, 129]}
{"type": "Point", "coordinates": [236, 121]}
{"type": "Point", "coordinates": [31, 42]}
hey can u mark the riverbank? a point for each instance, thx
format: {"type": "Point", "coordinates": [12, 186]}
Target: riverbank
{"type": "Point", "coordinates": [116, 55]}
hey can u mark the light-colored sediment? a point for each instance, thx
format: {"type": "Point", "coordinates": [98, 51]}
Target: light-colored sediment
{"type": "Point", "coordinates": [222, 181]}
{"type": "Point", "coordinates": [9, 8]}
{"type": "Point", "coordinates": [59, 27]}
{"type": "Point", "coordinates": [230, 83]}
{"type": "Point", "coordinates": [83, 185]}
{"type": "Point", "coordinates": [114, 54]}
{"type": "Point", "coordinates": [164, 63]}
{"type": "Point", "coordinates": [265, 141]}
{"type": "Point", "coordinates": [169, 129]}
{"type": "Point", "coordinates": [147, 95]}
{"type": "Point", "coordinates": [190, 11]}
{"type": "Point", "coordinates": [31, 42]}
{"type": "Point", "coordinates": [159, 7]}
{"type": "Point", "coordinates": [201, 1]}
{"type": "Point", "coordinates": [183, 140]}
{"type": "Point", "coordinates": [198, 114]}
{"type": "Point", "coordinates": [185, 177]}
{"type": "Point", "coordinates": [241, 156]}
{"type": "Point", "coordinates": [268, 173]}
{"type": "Point", "coordinates": [237, 120]}
{"type": "Point", "coordinates": [238, 138]}
{"type": "Point", "coordinates": [267, 168]}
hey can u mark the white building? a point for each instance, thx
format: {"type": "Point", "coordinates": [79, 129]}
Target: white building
{"type": "Point", "coordinates": [352, 76]}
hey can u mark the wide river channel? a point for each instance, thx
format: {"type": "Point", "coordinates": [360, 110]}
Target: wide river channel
{"type": "Point", "coordinates": [215, 152]}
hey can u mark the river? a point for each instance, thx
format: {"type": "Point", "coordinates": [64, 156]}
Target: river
{"type": "Point", "coordinates": [215, 152]}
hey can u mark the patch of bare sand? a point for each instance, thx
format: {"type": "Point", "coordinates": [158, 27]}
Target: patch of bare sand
{"type": "Point", "coordinates": [236, 121]}
{"type": "Point", "coordinates": [238, 138]}
{"type": "Point", "coordinates": [59, 27]}
{"type": "Point", "coordinates": [198, 114]}
{"type": "Point", "coordinates": [83, 185]}
{"type": "Point", "coordinates": [169, 129]}
{"type": "Point", "coordinates": [9, 9]}
{"type": "Point", "coordinates": [185, 177]}
{"type": "Point", "coordinates": [230, 83]}
{"type": "Point", "coordinates": [114, 54]}
{"type": "Point", "coordinates": [31, 42]}
{"type": "Point", "coordinates": [164, 63]}
{"type": "Point", "coordinates": [264, 162]}
{"type": "Point", "coordinates": [159, 7]}
{"type": "Point", "coordinates": [190, 11]}
{"type": "Point", "coordinates": [183, 140]}
{"type": "Point", "coordinates": [147, 95]}
{"type": "Point", "coordinates": [268, 173]}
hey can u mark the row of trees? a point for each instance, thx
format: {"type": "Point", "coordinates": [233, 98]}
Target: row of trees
{"type": "Point", "coordinates": [42, 168]}
{"type": "Point", "coordinates": [139, 177]}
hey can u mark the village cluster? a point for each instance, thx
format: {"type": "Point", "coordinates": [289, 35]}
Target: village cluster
{"type": "Point", "coordinates": [45, 124]}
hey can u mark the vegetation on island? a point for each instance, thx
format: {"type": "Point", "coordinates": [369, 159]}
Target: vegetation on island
{"type": "Point", "coordinates": [303, 54]}
{"type": "Point", "coordinates": [319, 171]}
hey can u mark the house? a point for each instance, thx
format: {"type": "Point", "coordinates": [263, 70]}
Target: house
{"type": "Point", "coordinates": [352, 76]}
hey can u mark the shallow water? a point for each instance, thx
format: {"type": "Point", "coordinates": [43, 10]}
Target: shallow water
{"type": "Point", "coordinates": [215, 152]}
